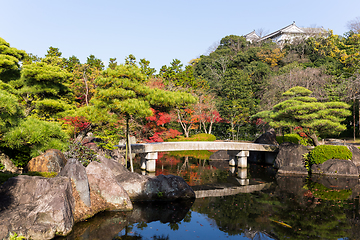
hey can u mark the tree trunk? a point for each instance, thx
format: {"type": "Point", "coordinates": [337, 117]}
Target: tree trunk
{"type": "Point", "coordinates": [183, 125]}
{"type": "Point", "coordinates": [354, 120]}
{"type": "Point", "coordinates": [82, 134]}
{"type": "Point", "coordinates": [315, 139]}
{"type": "Point", "coordinates": [232, 129]}
{"type": "Point", "coordinates": [86, 89]}
{"type": "Point", "coordinates": [128, 144]}
{"type": "Point", "coordinates": [210, 128]}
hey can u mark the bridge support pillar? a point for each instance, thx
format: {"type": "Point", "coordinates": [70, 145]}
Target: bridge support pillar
{"type": "Point", "coordinates": [242, 159]}
{"type": "Point", "coordinates": [149, 162]}
{"type": "Point", "coordinates": [242, 175]}
{"type": "Point", "coordinates": [232, 162]}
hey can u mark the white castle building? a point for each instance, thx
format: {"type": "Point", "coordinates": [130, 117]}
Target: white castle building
{"type": "Point", "coordinates": [286, 34]}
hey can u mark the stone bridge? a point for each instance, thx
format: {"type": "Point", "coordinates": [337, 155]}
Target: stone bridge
{"type": "Point", "coordinates": [150, 151]}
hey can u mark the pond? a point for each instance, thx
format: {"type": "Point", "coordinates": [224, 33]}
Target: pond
{"type": "Point", "coordinates": [269, 207]}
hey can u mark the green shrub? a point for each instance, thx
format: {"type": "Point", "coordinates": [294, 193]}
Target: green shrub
{"type": "Point", "coordinates": [323, 153]}
{"type": "Point", "coordinates": [5, 176]}
{"type": "Point", "coordinates": [14, 236]}
{"type": "Point", "coordinates": [1, 166]}
{"type": "Point", "coordinates": [80, 152]}
{"type": "Point", "coordinates": [31, 138]}
{"type": "Point", "coordinates": [294, 138]}
{"type": "Point", "coordinates": [196, 137]}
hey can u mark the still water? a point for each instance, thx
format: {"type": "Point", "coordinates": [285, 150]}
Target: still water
{"type": "Point", "coordinates": [270, 207]}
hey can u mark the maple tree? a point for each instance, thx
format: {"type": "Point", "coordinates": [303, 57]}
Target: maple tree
{"type": "Point", "coordinates": [207, 112]}
{"type": "Point", "coordinates": [156, 125]}
{"type": "Point", "coordinates": [188, 119]}
{"type": "Point", "coordinates": [78, 123]}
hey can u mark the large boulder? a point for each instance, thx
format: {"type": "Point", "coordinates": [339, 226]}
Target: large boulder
{"type": "Point", "coordinates": [103, 182]}
{"type": "Point", "coordinates": [142, 188]}
{"type": "Point", "coordinates": [36, 207]}
{"type": "Point", "coordinates": [76, 171]}
{"type": "Point", "coordinates": [355, 154]}
{"type": "Point", "coordinates": [168, 187]}
{"type": "Point", "coordinates": [290, 159]}
{"type": "Point", "coordinates": [91, 142]}
{"type": "Point", "coordinates": [268, 137]}
{"type": "Point", "coordinates": [336, 167]}
{"type": "Point", "coordinates": [9, 166]}
{"type": "Point", "coordinates": [51, 161]}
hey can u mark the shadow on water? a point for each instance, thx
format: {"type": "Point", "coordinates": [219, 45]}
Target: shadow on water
{"type": "Point", "coordinates": [107, 225]}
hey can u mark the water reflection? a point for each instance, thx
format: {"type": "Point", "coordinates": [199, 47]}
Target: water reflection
{"type": "Point", "coordinates": [278, 207]}
{"type": "Point", "coordinates": [295, 208]}
{"type": "Point", "coordinates": [197, 170]}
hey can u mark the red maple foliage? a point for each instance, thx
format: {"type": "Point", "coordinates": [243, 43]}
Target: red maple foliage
{"type": "Point", "coordinates": [166, 160]}
{"type": "Point", "coordinates": [79, 123]}
{"type": "Point", "coordinates": [156, 83]}
{"type": "Point", "coordinates": [301, 132]}
{"type": "Point", "coordinates": [156, 125]}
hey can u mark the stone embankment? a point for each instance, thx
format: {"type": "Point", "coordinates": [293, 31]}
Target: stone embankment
{"type": "Point", "coordinates": [290, 159]}
{"type": "Point", "coordinates": [41, 208]}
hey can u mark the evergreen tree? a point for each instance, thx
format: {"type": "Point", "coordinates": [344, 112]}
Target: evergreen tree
{"type": "Point", "coordinates": [123, 91]}
{"type": "Point", "coordinates": [315, 118]}
{"type": "Point", "coordinates": [10, 61]}
{"type": "Point", "coordinates": [44, 89]}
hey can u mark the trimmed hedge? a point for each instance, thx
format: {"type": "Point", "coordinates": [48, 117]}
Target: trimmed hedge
{"type": "Point", "coordinates": [293, 138]}
{"type": "Point", "coordinates": [196, 137]}
{"type": "Point", "coordinates": [323, 153]}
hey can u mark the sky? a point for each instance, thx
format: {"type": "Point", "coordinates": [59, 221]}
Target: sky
{"type": "Point", "coordinates": [158, 31]}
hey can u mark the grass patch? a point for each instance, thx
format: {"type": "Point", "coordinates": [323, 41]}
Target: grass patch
{"type": "Point", "coordinates": [42, 174]}
{"type": "Point", "coordinates": [5, 176]}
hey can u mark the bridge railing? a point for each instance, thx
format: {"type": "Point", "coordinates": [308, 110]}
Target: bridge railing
{"type": "Point", "coordinates": [181, 146]}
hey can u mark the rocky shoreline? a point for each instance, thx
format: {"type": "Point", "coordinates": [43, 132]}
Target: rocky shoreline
{"type": "Point", "coordinates": [42, 208]}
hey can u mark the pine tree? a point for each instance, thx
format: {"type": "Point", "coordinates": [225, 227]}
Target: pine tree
{"type": "Point", "coordinates": [300, 110]}
{"type": "Point", "coordinates": [122, 90]}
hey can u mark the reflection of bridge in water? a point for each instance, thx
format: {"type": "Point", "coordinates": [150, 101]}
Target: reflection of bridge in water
{"type": "Point", "coordinates": [149, 151]}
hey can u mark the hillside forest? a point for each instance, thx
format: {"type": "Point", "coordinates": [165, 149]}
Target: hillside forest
{"type": "Point", "coordinates": [234, 92]}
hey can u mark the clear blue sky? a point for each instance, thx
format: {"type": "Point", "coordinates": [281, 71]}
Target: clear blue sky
{"type": "Point", "coordinates": [159, 31]}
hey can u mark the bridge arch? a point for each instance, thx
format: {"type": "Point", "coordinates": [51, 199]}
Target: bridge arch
{"type": "Point", "coordinates": [150, 150]}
